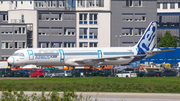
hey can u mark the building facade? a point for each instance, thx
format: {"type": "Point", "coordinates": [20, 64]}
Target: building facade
{"type": "Point", "coordinates": [168, 15]}
{"type": "Point", "coordinates": [73, 23]}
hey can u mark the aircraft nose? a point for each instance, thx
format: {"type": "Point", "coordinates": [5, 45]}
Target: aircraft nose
{"type": "Point", "coordinates": [11, 60]}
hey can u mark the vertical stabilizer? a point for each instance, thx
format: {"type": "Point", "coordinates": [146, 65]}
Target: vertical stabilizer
{"type": "Point", "coordinates": [146, 43]}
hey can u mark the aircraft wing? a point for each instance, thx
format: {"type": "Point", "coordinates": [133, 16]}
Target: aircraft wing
{"type": "Point", "coordinates": [95, 61]}
{"type": "Point", "coordinates": [160, 51]}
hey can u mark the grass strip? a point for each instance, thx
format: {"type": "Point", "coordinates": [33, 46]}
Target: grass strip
{"type": "Point", "coordinates": [97, 84]}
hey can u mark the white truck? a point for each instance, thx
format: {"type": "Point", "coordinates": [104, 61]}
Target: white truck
{"type": "Point", "coordinates": [3, 64]}
{"type": "Point", "coordinates": [126, 74]}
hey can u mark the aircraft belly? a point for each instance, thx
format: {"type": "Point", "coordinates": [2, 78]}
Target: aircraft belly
{"type": "Point", "coordinates": [117, 62]}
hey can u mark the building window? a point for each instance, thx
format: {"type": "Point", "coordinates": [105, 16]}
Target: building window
{"type": "Point", "coordinates": [44, 16]}
{"type": "Point", "coordinates": [56, 31]}
{"type": "Point", "coordinates": [56, 44]}
{"type": "Point", "coordinates": [69, 44]}
{"type": "Point", "coordinates": [140, 18]}
{"type": "Point", "coordinates": [93, 44]}
{"type": "Point", "coordinates": [178, 4]}
{"type": "Point", "coordinates": [21, 2]}
{"type": "Point", "coordinates": [158, 5]}
{"type": "Point", "coordinates": [5, 17]}
{"type": "Point", "coordinates": [90, 3]}
{"type": "Point", "coordinates": [127, 31]}
{"type": "Point", "coordinates": [127, 44]}
{"type": "Point", "coordinates": [44, 44]}
{"type": "Point", "coordinates": [93, 18]}
{"type": "Point", "coordinates": [164, 5]}
{"type": "Point", "coordinates": [20, 30]}
{"type": "Point", "coordinates": [83, 33]}
{"type": "Point", "coordinates": [93, 33]}
{"type": "Point", "coordinates": [82, 18]}
{"type": "Point", "coordinates": [172, 5]}
{"type": "Point", "coordinates": [1, 1]}
{"type": "Point", "coordinates": [129, 3]}
{"type": "Point", "coordinates": [6, 45]}
{"type": "Point", "coordinates": [127, 18]}
{"type": "Point", "coordinates": [81, 3]}
{"type": "Point", "coordinates": [83, 44]}
{"type": "Point", "coordinates": [30, 2]}
{"type": "Point", "coordinates": [100, 3]}
{"type": "Point", "coordinates": [140, 3]}
{"type": "Point", "coordinates": [55, 17]}
{"type": "Point", "coordinates": [69, 16]}
{"type": "Point", "coordinates": [69, 31]}
{"type": "Point", "coordinates": [44, 31]}
{"type": "Point", "coordinates": [20, 45]}
{"type": "Point", "coordinates": [139, 31]}
{"type": "Point", "coordinates": [61, 3]}
{"type": "Point", "coordinates": [7, 30]}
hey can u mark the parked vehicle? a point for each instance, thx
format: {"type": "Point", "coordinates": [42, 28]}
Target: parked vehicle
{"type": "Point", "coordinates": [82, 72]}
{"type": "Point", "coordinates": [126, 74]}
{"type": "Point", "coordinates": [3, 64]}
{"type": "Point", "coordinates": [153, 73]}
{"type": "Point", "coordinates": [5, 72]}
{"type": "Point", "coordinates": [107, 72]}
{"type": "Point", "coordinates": [48, 73]}
{"type": "Point", "coordinates": [24, 72]}
{"type": "Point", "coordinates": [141, 73]}
{"type": "Point", "coordinates": [169, 73]}
{"type": "Point", "coordinates": [97, 72]}
{"type": "Point", "coordinates": [15, 73]}
{"type": "Point", "coordinates": [36, 73]}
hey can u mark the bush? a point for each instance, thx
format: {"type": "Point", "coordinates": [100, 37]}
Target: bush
{"type": "Point", "coordinates": [10, 94]}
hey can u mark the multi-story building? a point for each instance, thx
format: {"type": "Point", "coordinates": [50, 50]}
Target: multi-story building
{"type": "Point", "coordinates": [130, 19]}
{"type": "Point", "coordinates": [72, 23]}
{"type": "Point", "coordinates": [168, 15]}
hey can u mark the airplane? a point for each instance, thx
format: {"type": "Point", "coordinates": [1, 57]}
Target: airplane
{"type": "Point", "coordinates": [89, 56]}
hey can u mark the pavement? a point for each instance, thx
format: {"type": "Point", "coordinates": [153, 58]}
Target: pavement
{"type": "Point", "coordinates": [109, 96]}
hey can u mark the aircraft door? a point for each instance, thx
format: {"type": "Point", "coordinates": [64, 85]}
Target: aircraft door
{"type": "Point", "coordinates": [31, 55]}
{"type": "Point", "coordinates": [99, 53]}
{"type": "Point", "coordinates": [61, 55]}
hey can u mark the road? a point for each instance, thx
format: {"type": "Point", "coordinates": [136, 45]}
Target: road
{"type": "Point", "coordinates": [107, 96]}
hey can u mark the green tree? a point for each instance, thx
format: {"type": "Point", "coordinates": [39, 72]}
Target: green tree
{"type": "Point", "coordinates": [167, 40]}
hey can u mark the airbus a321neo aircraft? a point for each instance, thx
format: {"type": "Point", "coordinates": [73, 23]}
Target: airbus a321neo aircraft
{"type": "Point", "coordinates": [89, 56]}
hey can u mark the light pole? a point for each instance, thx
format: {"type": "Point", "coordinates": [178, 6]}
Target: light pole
{"type": "Point", "coordinates": [118, 36]}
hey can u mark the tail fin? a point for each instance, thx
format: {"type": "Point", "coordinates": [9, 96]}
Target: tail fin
{"type": "Point", "coordinates": [146, 42]}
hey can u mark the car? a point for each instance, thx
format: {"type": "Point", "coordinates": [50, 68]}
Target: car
{"type": "Point", "coordinates": [97, 72]}
{"type": "Point", "coordinates": [5, 72]}
{"type": "Point", "coordinates": [169, 73]}
{"type": "Point", "coordinates": [153, 73]}
{"type": "Point", "coordinates": [24, 72]}
{"type": "Point", "coordinates": [48, 73]}
{"type": "Point", "coordinates": [36, 73]}
{"type": "Point", "coordinates": [82, 72]}
{"type": "Point", "coordinates": [126, 74]}
{"type": "Point", "coordinates": [107, 72]}
{"type": "Point", "coordinates": [15, 73]}
{"type": "Point", "coordinates": [141, 73]}
{"type": "Point", "coordinates": [65, 73]}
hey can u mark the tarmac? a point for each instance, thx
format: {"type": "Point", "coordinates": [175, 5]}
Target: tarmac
{"type": "Point", "coordinates": [108, 96]}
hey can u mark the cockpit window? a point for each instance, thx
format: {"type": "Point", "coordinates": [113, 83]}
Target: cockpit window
{"type": "Point", "coordinates": [18, 54]}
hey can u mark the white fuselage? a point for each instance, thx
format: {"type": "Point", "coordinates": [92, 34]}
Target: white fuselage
{"type": "Point", "coordinates": [68, 56]}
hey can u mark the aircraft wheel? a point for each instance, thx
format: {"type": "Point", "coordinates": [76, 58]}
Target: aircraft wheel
{"type": "Point", "coordinates": [74, 75]}
{"type": "Point", "coordinates": [44, 76]}
{"type": "Point", "coordinates": [37, 76]}
{"type": "Point", "coordinates": [126, 75]}
{"type": "Point", "coordinates": [2, 75]}
{"type": "Point", "coordinates": [29, 75]}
